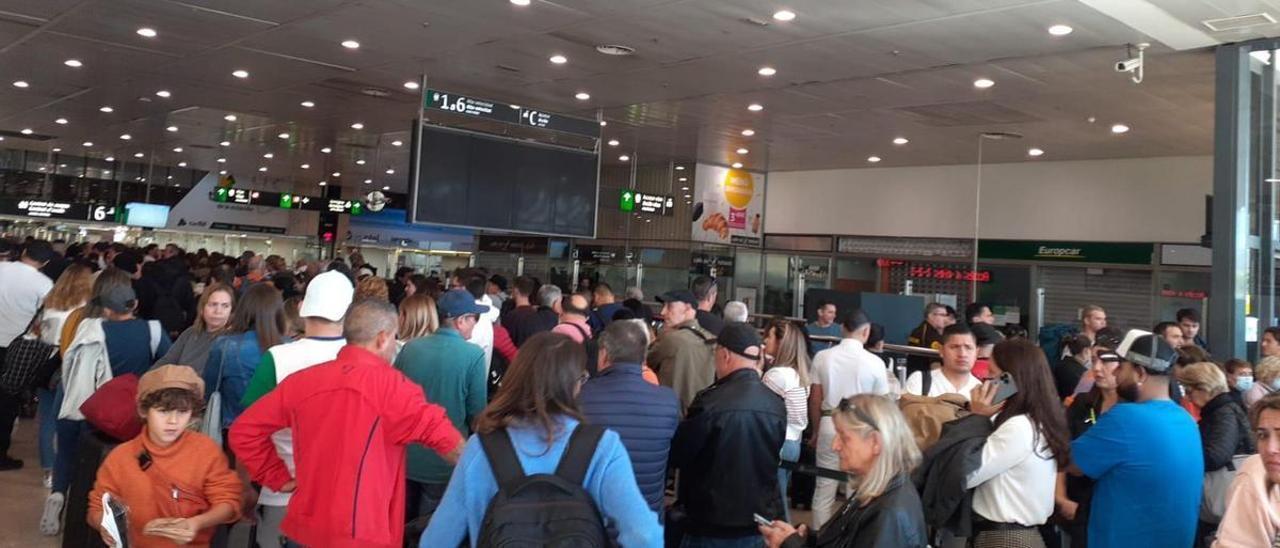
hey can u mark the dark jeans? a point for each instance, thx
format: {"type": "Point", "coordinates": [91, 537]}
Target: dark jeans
{"type": "Point", "coordinates": [422, 499]}
{"type": "Point", "coordinates": [691, 541]}
{"type": "Point", "coordinates": [9, 407]}
{"type": "Point", "coordinates": [64, 463]}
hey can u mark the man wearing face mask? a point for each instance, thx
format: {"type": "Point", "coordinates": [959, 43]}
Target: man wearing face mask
{"type": "Point", "coordinates": [1239, 378]}
{"type": "Point", "coordinates": [1142, 455]}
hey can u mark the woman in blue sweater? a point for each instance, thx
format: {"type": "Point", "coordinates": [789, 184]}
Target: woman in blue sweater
{"type": "Point", "coordinates": [538, 410]}
{"type": "Point", "coordinates": [257, 323]}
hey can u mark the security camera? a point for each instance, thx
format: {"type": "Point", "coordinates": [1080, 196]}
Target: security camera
{"type": "Point", "coordinates": [1129, 65]}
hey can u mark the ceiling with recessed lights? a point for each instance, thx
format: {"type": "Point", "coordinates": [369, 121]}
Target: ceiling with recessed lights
{"type": "Point", "coordinates": [304, 89]}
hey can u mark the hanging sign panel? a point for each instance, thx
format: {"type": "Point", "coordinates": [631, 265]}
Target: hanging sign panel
{"type": "Point", "coordinates": [728, 206]}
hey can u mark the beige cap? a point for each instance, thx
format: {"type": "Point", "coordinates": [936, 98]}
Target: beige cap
{"type": "Point", "coordinates": [170, 376]}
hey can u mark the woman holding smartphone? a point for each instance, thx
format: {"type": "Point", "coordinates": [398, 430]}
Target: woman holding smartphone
{"type": "Point", "coordinates": [1014, 486]}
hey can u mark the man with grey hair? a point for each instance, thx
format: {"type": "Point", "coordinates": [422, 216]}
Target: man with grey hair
{"type": "Point", "coordinates": [636, 293]}
{"type": "Point", "coordinates": [355, 401]}
{"type": "Point", "coordinates": [644, 414]}
{"type": "Point", "coordinates": [735, 311]}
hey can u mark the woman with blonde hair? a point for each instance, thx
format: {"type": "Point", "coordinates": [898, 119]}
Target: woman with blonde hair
{"type": "Point", "coordinates": [787, 374]}
{"type": "Point", "coordinates": [70, 292]}
{"type": "Point", "coordinates": [878, 452]}
{"type": "Point", "coordinates": [418, 317]}
{"type": "Point", "coordinates": [372, 287]}
{"type": "Point", "coordinates": [192, 347]}
{"type": "Point", "coordinates": [1266, 380]}
{"type": "Point", "coordinates": [1224, 435]}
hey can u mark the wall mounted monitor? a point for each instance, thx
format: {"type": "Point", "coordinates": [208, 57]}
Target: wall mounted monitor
{"type": "Point", "coordinates": [146, 215]}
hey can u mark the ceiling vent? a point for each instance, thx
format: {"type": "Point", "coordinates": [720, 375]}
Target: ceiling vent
{"type": "Point", "coordinates": [376, 92]}
{"type": "Point", "coordinates": [614, 49]}
{"type": "Point", "coordinates": [979, 113]}
{"type": "Point", "coordinates": [1240, 22]}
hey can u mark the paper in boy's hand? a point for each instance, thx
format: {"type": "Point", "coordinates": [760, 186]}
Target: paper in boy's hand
{"type": "Point", "coordinates": [109, 510]}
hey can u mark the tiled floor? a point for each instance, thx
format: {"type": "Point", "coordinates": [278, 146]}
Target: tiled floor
{"type": "Point", "coordinates": [22, 495]}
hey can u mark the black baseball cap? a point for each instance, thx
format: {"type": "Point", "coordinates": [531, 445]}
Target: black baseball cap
{"type": "Point", "coordinates": [118, 298]}
{"type": "Point", "coordinates": [679, 296]}
{"type": "Point", "coordinates": [741, 339]}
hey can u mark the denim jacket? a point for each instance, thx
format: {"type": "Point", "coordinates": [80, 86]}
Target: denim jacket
{"type": "Point", "coordinates": [232, 361]}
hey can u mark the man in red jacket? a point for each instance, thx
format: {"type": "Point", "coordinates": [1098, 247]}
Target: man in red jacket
{"type": "Point", "coordinates": [351, 420]}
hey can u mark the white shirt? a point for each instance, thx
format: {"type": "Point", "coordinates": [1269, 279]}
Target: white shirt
{"type": "Point", "coordinates": [785, 381]}
{"type": "Point", "coordinates": [846, 370]}
{"type": "Point", "coordinates": [1016, 480]}
{"type": "Point", "coordinates": [482, 334]}
{"type": "Point", "coordinates": [22, 289]}
{"type": "Point", "coordinates": [290, 358]}
{"type": "Point", "coordinates": [941, 385]}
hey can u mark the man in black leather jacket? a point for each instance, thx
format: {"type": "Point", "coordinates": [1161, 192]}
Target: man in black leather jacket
{"type": "Point", "coordinates": [727, 446]}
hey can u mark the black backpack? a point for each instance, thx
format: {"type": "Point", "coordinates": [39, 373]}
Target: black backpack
{"type": "Point", "coordinates": [542, 510]}
{"type": "Point", "coordinates": [592, 347]}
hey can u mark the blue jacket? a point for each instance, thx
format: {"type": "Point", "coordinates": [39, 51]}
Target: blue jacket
{"type": "Point", "coordinates": [466, 500]}
{"type": "Point", "coordinates": [234, 358]}
{"type": "Point", "coordinates": [644, 415]}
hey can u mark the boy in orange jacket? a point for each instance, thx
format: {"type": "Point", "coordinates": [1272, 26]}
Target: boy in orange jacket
{"type": "Point", "coordinates": [175, 482]}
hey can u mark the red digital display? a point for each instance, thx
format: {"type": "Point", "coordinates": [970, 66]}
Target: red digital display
{"type": "Point", "coordinates": [949, 274]}
{"type": "Point", "coordinates": [1184, 294]}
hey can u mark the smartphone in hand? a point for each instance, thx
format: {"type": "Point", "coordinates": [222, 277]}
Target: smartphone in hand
{"type": "Point", "coordinates": [1005, 388]}
{"type": "Point", "coordinates": [760, 520]}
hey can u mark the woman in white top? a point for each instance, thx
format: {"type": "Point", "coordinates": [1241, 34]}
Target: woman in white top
{"type": "Point", "coordinates": [1014, 485]}
{"type": "Point", "coordinates": [70, 292]}
{"type": "Point", "coordinates": [787, 374]}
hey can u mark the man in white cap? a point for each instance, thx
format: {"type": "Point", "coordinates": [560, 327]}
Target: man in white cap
{"type": "Point", "coordinates": [323, 310]}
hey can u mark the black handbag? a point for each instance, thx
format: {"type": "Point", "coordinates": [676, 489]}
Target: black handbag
{"type": "Point", "coordinates": [25, 357]}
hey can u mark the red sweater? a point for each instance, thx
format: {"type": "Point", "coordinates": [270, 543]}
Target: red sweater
{"type": "Point", "coordinates": [351, 420]}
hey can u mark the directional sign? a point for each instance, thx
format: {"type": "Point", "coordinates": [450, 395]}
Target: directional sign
{"type": "Point", "coordinates": [627, 202]}
{"type": "Point", "coordinates": [285, 200]}
{"type": "Point", "coordinates": [510, 114]}
{"type": "Point", "coordinates": [643, 202]}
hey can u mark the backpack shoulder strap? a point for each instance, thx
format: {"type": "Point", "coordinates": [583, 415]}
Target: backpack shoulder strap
{"type": "Point", "coordinates": [502, 457]}
{"type": "Point", "coordinates": [709, 340]}
{"type": "Point", "coordinates": [577, 456]}
{"type": "Point", "coordinates": [926, 382]}
{"type": "Point", "coordinates": [581, 331]}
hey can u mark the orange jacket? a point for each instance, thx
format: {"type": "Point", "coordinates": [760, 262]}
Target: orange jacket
{"type": "Point", "coordinates": [194, 468]}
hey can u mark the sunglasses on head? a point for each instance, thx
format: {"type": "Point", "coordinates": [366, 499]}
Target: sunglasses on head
{"type": "Point", "coordinates": [846, 405]}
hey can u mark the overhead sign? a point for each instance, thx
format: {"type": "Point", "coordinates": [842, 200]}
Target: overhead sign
{"type": "Point", "coordinates": [526, 245]}
{"type": "Point", "coordinates": [728, 206]}
{"type": "Point", "coordinates": [643, 202]}
{"type": "Point", "coordinates": [55, 209]}
{"type": "Point", "coordinates": [285, 200]}
{"type": "Point", "coordinates": [197, 210]}
{"type": "Point", "coordinates": [509, 114]}
{"type": "Point", "coordinates": [1067, 252]}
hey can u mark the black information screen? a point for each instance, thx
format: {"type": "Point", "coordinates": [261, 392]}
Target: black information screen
{"type": "Point", "coordinates": [480, 182]}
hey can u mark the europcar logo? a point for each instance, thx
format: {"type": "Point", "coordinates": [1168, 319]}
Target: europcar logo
{"type": "Point", "coordinates": [1060, 252]}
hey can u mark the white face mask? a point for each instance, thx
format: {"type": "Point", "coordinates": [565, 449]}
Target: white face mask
{"type": "Point", "coordinates": [1275, 383]}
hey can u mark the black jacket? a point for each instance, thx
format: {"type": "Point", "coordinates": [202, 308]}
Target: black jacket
{"type": "Point", "coordinates": [1067, 374]}
{"type": "Point", "coordinates": [948, 504]}
{"type": "Point", "coordinates": [895, 518]}
{"type": "Point", "coordinates": [1224, 431]}
{"type": "Point", "coordinates": [923, 336]}
{"type": "Point", "coordinates": [727, 452]}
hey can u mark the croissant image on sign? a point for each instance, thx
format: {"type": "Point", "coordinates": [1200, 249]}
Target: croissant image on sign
{"type": "Point", "coordinates": [730, 205]}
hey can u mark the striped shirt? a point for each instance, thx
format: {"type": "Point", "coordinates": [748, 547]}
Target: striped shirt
{"type": "Point", "coordinates": [785, 381]}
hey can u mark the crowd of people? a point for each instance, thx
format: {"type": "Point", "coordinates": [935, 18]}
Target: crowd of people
{"type": "Point", "coordinates": [332, 407]}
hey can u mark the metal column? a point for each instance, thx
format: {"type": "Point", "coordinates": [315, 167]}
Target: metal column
{"type": "Point", "coordinates": [1231, 238]}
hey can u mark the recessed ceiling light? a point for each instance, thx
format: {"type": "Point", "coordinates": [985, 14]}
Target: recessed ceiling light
{"type": "Point", "coordinates": [386, 188]}
{"type": "Point", "coordinates": [125, 137]}
{"type": "Point", "coordinates": [283, 135]}
{"type": "Point", "coordinates": [736, 165]}
{"type": "Point", "coordinates": [1119, 128]}
{"type": "Point", "coordinates": [337, 174]}
{"type": "Point", "coordinates": [411, 85]}
{"type": "Point", "coordinates": [683, 179]}
{"type": "Point", "coordinates": [679, 168]}
{"type": "Point", "coordinates": [357, 125]}
{"type": "Point", "coordinates": [263, 168]}
{"type": "Point", "coordinates": [748, 132]}
{"type": "Point", "coordinates": [221, 160]}
{"type": "Point", "coordinates": [326, 150]}
{"type": "Point", "coordinates": [26, 131]}
{"type": "Point", "coordinates": [624, 158]}
{"type": "Point", "coordinates": [520, 2]}
{"type": "Point", "coordinates": [88, 143]}
{"type": "Point", "coordinates": [983, 83]}
{"type": "Point", "coordinates": [360, 162]}
{"type": "Point", "coordinates": [268, 155]}
{"type": "Point", "coordinates": [222, 172]}
{"type": "Point", "coordinates": [1035, 152]}
{"type": "Point", "coordinates": [559, 59]}
{"type": "Point", "coordinates": [61, 121]}
{"type": "Point", "coordinates": [56, 149]}
{"type": "Point", "coordinates": [323, 183]}
{"type": "Point", "coordinates": [308, 104]}
{"type": "Point", "coordinates": [603, 123]}
{"type": "Point", "coordinates": [62, 165]}
{"type": "Point", "coordinates": [742, 151]}
{"type": "Point", "coordinates": [138, 155]}
{"type": "Point", "coordinates": [755, 107]}
{"type": "Point", "coordinates": [351, 44]}
{"type": "Point", "coordinates": [368, 181]}
{"type": "Point", "coordinates": [873, 159]}
{"type": "Point", "coordinates": [171, 129]}
{"type": "Point", "coordinates": [1060, 30]}
{"type": "Point", "coordinates": [767, 71]}
{"type": "Point", "coordinates": [177, 149]}
{"type": "Point", "coordinates": [146, 32]}
{"type": "Point", "coordinates": [396, 143]}
{"type": "Point", "coordinates": [784, 15]}
{"type": "Point", "coordinates": [73, 63]}
{"type": "Point", "coordinates": [182, 164]}
{"type": "Point", "coordinates": [582, 96]}
{"type": "Point", "coordinates": [225, 143]}
{"type": "Point", "coordinates": [614, 142]}
{"type": "Point", "coordinates": [164, 94]}
{"type": "Point", "coordinates": [900, 141]}
{"type": "Point", "coordinates": [685, 188]}
{"type": "Point", "coordinates": [109, 159]}
{"type": "Point", "coordinates": [106, 109]}
{"type": "Point", "coordinates": [21, 84]}
{"type": "Point", "coordinates": [240, 73]}
{"type": "Point", "coordinates": [391, 172]}
{"type": "Point", "coordinates": [230, 118]}
{"type": "Point", "coordinates": [305, 166]}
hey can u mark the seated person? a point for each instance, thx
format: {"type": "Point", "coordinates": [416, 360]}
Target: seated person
{"type": "Point", "coordinates": [175, 482]}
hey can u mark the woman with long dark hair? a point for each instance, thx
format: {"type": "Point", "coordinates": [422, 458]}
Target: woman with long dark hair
{"type": "Point", "coordinates": [1014, 486]}
{"type": "Point", "coordinates": [257, 323]}
{"type": "Point", "coordinates": [537, 411]}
